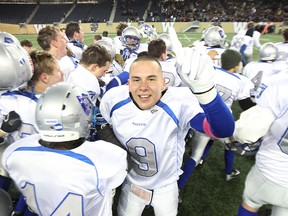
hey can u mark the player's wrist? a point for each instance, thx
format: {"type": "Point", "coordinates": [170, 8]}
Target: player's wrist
{"type": "Point", "coordinates": [207, 96]}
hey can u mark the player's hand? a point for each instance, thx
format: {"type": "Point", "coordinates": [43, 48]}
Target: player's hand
{"type": "Point", "coordinates": [197, 72]}
{"type": "Point", "coordinates": [213, 55]}
{"type": "Point", "coordinates": [11, 122]}
{"type": "Point", "coordinates": [119, 59]}
{"type": "Point", "coordinates": [195, 69]}
{"type": "Point", "coordinates": [126, 53]}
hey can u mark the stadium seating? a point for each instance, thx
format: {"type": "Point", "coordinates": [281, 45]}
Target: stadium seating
{"type": "Point", "coordinates": [9, 13]}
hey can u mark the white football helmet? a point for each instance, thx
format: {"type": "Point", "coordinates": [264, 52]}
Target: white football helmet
{"type": "Point", "coordinates": [8, 38]}
{"type": "Point", "coordinates": [215, 36]}
{"type": "Point", "coordinates": [131, 37]}
{"type": "Point", "coordinates": [108, 46]}
{"type": "Point", "coordinates": [16, 66]}
{"type": "Point", "coordinates": [268, 52]}
{"type": "Point", "coordinates": [63, 113]}
{"type": "Point", "coordinates": [148, 32]}
{"type": "Point", "coordinates": [166, 38]}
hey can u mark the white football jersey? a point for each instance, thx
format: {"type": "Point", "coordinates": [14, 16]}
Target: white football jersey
{"type": "Point", "coordinates": [232, 86]}
{"type": "Point", "coordinates": [66, 182]}
{"type": "Point", "coordinates": [86, 80]}
{"type": "Point", "coordinates": [282, 51]}
{"type": "Point", "coordinates": [77, 51]}
{"type": "Point", "coordinates": [272, 157]}
{"type": "Point", "coordinates": [155, 137]}
{"type": "Point", "coordinates": [67, 65]}
{"type": "Point", "coordinates": [24, 103]}
{"type": "Point", "coordinates": [256, 37]}
{"type": "Point", "coordinates": [169, 72]}
{"type": "Point", "coordinates": [116, 68]}
{"type": "Point", "coordinates": [118, 43]}
{"type": "Point", "coordinates": [216, 62]}
{"type": "Point", "coordinates": [257, 71]}
{"type": "Point", "coordinates": [239, 40]}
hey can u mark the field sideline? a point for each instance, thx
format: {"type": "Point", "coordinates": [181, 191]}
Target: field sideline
{"type": "Point", "coordinates": [207, 193]}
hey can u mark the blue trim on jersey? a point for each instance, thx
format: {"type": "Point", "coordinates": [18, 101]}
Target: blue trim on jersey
{"type": "Point", "coordinates": [242, 50]}
{"type": "Point", "coordinates": [23, 93]}
{"type": "Point", "coordinates": [123, 77]}
{"type": "Point", "coordinates": [167, 109]}
{"type": "Point", "coordinates": [74, 62]}
{"type": "Point", "coordinates": [63, 152]}
{"type": "Point", "coordinates": [232, 74]}
{"type": "Point", "coordinates": [119, 104]}
{"type": "Point", "coordinates": [68, 153]}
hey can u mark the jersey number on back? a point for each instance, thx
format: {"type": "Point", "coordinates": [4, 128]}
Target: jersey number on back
{"type": "Point", "coordinates": [72, 204]}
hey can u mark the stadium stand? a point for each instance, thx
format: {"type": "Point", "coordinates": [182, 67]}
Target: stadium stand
{"type": "Point", "coordinates": [50, 13]}
{"type": "Point", "coordinates": [90, 12]}
{"type": "Point", "coordinates": [9, 13]}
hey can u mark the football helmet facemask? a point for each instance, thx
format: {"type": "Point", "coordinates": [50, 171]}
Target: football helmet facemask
{"type": "Point", "coordinates": [64, 113]}
{"type": "Point", "coordinates": [131, 38]}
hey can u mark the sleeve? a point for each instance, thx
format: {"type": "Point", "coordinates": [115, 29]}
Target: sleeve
{"type": "Point", "coordinates": [256, 37]}
{"type": "Point", "coordinates": [217, 120]}
{"type": "Point", "coordinates": [105, 105]}
{"type": "Point", "coordinates": [120, 79]}
{"type": "Point", "coordinates": [253, 124]}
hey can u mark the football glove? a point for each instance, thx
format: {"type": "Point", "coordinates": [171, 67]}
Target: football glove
{"type": "Point", "coordinates": [11, 122]}
{"type": "Point", "coordinates": [195, 69]}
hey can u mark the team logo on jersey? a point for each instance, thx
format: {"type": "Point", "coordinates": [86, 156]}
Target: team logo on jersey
{"type": "Point", "coordinates": [154, 111]}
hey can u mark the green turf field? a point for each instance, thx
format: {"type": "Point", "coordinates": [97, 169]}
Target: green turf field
{"type": "Point", "coordinates": [207, 193]}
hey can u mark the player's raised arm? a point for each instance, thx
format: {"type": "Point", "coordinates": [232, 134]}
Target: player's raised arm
{"type": "Point", "coordinates": [197, 72]}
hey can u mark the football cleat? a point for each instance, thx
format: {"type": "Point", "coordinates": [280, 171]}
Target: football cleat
{"type": "Point", "coordinates": [233, 175]}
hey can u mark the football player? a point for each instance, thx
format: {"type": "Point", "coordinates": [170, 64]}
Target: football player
{"type": "Point", "coordinates": [54, 41]}
{"type": "Point", "coordinates": [267, 65]}
{"type": "Point", "coordinates": [157, 49]}
{"type": "Point", "coordinates": [16, 69]}
{"type": "Point", "coordinates": [45, 71]}
{"type": "Point", "coordinates": [148, 108]}
{"type": "Point", "coordinates": [267, 183]}
{"type": "Point", "coordinates": [283, 47]}
{"type": "Point", "coordinates": [131, 43]}
{"type": "Point", "coordinates": [245, 40]}
{"type": "Point", "coordinates": [75, 36]}
{"type": "Point", "coordinates": [83, 178]}
{"type": "Point", "coordinates": [215, 39]}
{"type": "Point", "coordinates": [232, 87]}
